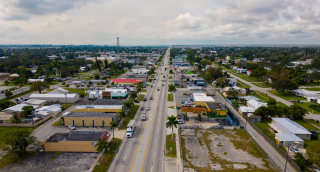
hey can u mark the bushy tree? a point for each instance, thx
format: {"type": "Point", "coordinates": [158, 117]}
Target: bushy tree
{"type": "Point", "coordinates": [39, 86]}
{"type": "Point", "coordinates": [97, 76]}
{"type": "Point", "coordinates": [284, 84]}
{"type": "Point", "coordinates": [8, 93]}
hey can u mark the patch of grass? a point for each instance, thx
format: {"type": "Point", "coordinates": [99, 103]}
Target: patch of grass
{"type": "Point", "coordinates": [312, 121]}
{"type": "Point", "coordinates": [170, 97]}
{"type": "Point", "coordinates": [4, 130]}
{"type": "Point", "coordinates": [58, 123]}
{"type": "Point", "coordinates": [306, 125]}
{"type": "Point", "coordinates": [306, 105]}
{"type": "Point", "coordinates": [16, 96]}
{"type": "Point", "coordinates": [150, 80]}
{"type": "Point", "coordinates": [171, 144]}
{"type": "Point", "coordinates": [103, 166]}
{"type": "Point", "coordinates": [286, 95]}
{"type": "Point", "coordinates": [140, 98]}
{"type": "Point", "coordinates": [54, 156]}
{"type": "Point", "coordinates": [313, 89]}
{"type": "Point", "coordinates": [13, 158]}
{"type": "Point", "coordinates": [129, 117]}
{"type": "Point", "coordinates": [185, 94]}
{"type": "Point", "coordinates": [171, 107]}
{"type": "Point", "coordinates": [263, 126]}
{"type": "Point", "coordinates": [242, 84]}
{"type": "Point", "coordinates": [66, 105]}
{"type": "Point", "coordinates": [170, 77]}
{"type": "Point", "coordinates": [152, 76]}
{"type": "Point", "coordinates": [144, 91]}
{"type": "Point", "coordinates": [75, 90]}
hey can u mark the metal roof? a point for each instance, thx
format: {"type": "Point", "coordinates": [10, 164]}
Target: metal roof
{"type": "Point", "coordinates": [286, 125]}
{"type": "Point", "coordinates": [289, 137]}
{"type": "Point", "coordinates": [92, 114]}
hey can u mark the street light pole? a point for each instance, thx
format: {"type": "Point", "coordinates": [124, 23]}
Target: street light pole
{"type": "Point", "coordinates": [65, 93]}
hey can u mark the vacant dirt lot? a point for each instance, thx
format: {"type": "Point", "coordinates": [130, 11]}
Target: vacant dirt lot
{"type": "Point", "coordinates": [222, 150]}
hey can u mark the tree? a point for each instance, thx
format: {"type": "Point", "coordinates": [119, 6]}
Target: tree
{"type": "Point", "coordinates": [233, 92]}
{"type": "Point", "coordinates": [139, 87]}
{"type": "Point", "coordinates": [113, 125]}
{"type": "Point", "coordinates": [19, 141]}
{"type": "Point", "coordinates": [100, 145]}
{"type": "Point", "coordinates": [299, 160]}
{"type": "Point", "coordinates": [67, 85]}
{"type": "Point", "coordinates": [97, 76]}
{"type": "Point", "coordinates": [204, 63]}
{"type": "Point", "coordinates": [172, 89]}
{"type": "Point", "coordinates": [284, 84]}
{"type": "Point", "coordinates": [82, 95]}
{"type": "Point", "coordinates": [296, 112]}
{"type": "Point", "coordinates": [77, 85]}
{"type": "Point", "coordinates": [98, 64]}
{"type": "Point", "coordinates": [122, 114]}
{"type": "Point", "coordinates": [6, 82]}
{"type": "Point", "coordinates": [272, 101]}
{"type": "Point", "coordinates": [27, 110]}
{"type": "Point", "coordinates": [15, 118]}
{"type": "Point", "coordinates": [172, 122]}
{"type": "Point", "coordinates": [106, 63]}
{"type": "Point", "coordinates": [313, 153]}
{"type": "Point", "coordinates": [257, 73]}
{"type": "Point", "coordinates": [133, 95]}
{"type": "Point", "coordinates": [8, 93]}
{"type": "Point", "coordinates": [222, 82]}
{"type": "Point", "coordinates": [39, 86]}
{"type": "Point", "coordinates": [262, 111]}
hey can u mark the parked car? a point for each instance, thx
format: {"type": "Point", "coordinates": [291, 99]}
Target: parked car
{"type": "Point", "coordinates": [180, 121]}
{"type": "Point", "coordinates": [158, 89]}
{"type": "Point", "coordinates": [144, 99]}
{"type": "Point", "coordinates": [147, 108]}
{"type": "Point", "coordinates": [151, 86]}
{"type": "Point", "coordinates": [299, 101]}
{"type": "Point", "coordinates": [141, 108]}
{"type": "Point", "coordinates": [293, 101]}
{"type": "Point", "coordinates": [294, 149]}
{"type": "Point", "coordinates": [136, 101]}
{"type": "Point", "coordinates": [162, 85]}
{"type": "Point", "coordinates": [71, 127]}
{"type": "Point", "coordinates": [188, 103]}
{"type": "Point", "coordinates": [313, 132]}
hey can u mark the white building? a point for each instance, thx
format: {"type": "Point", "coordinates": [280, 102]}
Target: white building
{"type": "Point", "coordinates": [52, 109]}
{"type": "Point", "coordinates": [256, 104]}
{"type": "Point", "coordinates": [140, 71]}
{"type": "Point", "coordinates": [113, 93]}
{"type": "Point", "coordinates": [35, 80]}
{"type": "Point", "coordinates": [17, 108]}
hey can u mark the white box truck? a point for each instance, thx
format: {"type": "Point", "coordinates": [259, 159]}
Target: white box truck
{"type": "Point", "coordinates": [130, 128]}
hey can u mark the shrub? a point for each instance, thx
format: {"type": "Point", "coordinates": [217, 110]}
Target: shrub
{"type": "Point", "coordinates": [315, 107]}
{"type": "Point", "coordinates": [63, 83]}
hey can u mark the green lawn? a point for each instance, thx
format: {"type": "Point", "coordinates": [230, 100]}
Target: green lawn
{"type": "Point", "coordinates": [129, 117]}
{"type": "Point", "coordinates": [286, 95]}
{"type": "Point", "coordinates": [3, 130]}
{"type": "Point", "coordinates": [140, 98]}
{"type": "Point", "coordinates": [170, 77]}
{"type": "Point", "coordinates": [144, 91]}
{"type": "Point", "coordinates": [263, 126]}
{"type": "Point", "coordinates": [170, 98]}
{"type": "Point", "coordinates": [260, 95]}
{"type": "Point", "coordinates": [58, 123]}
{"type": "Point", "coordinates": [66, 105]}
{"type": "Point", "coordinates": [75, 90]}
{"type": "Point", "coordinates": [242, 85]}
{"type": "Point", "coordinates": [171, 144]}
{"type": "Point", "coordinates": [305, 105]}
{"type": "Point", "coordinates": [103, 166]}
{"type": "Point", "coordinates": [152, 76]}
{"type": "Point", "coordinates": [312, 89]}
{"type": "Point", "coordinates": [314, 122]}
{"type": "Point", "coordinates": [306, 125]}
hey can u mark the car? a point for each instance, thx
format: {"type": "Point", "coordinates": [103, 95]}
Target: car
{"type": "Point", "coordinates": [71, 127]}
{"type": "Point", "coordinates": [144, 99]}
{"type": "Point", "coordinates": [143, 117]}
{"type": "Point", "coordinates": [147, 108]}
{"type": "Point", "coordinates": [150, 98]}
{"type": "Point", "coordinates": [313, 132]}
{"type": "Point", "coordinates": [188, 82]}
{"type": "Point", "coordinates": [151, 86]}
{"type": "Point", "coordinates": [293, 100]}
{"type": "Point", "coordinates": [180, 121]}
{"type": "Point", "coordinates": [294, 149]}
{"type": "Point", "coordinates": [89, 98]}
{"type": "Point", "coordinates": [188, 103]}
{"type": "Point", "coordinates": [299, 101]}
{"type": "Point", "coordinates": [141, 108]}
{"type": "Point", "coordinates": [136, 101]}
{"type": "Point", "coordinates": [158, 90]}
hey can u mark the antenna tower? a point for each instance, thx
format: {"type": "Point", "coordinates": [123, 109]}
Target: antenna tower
{"type": "Point", "coordinates": [118, 45]}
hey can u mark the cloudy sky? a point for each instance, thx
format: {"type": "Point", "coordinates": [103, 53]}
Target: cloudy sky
{"type": "Point", "coordinates": [159, 22]}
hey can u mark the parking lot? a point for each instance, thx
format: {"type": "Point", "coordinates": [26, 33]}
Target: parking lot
{"type": "Point", "coordinates": [225, 150]}
{"type": "Point", "coordinates": [45, 162]}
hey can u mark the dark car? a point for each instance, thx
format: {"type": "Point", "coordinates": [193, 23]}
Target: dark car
{"type": "Point", "coordinates": [136, 101]}
{"type": "Point", "coordinates": [293, 100]}
{"type": "Point", "coordinates": [141, 108]}
{"type": "Point", "coordinates": [158, 89]}
{"type": "Point", "coordinates": [299, 101]}
{"type": "Point", "coordinates": [162, 85]}
{"type": "Point", "coordinates": [313, 132]}
{"type": "Point", "coordinates": [144, 99]}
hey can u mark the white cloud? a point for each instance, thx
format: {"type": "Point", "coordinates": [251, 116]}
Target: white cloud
{"type": "Point", "coordinates": [185, 21]}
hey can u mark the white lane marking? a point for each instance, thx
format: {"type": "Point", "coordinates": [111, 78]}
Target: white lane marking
{"type": "Point", "coordinates": [124, 159]}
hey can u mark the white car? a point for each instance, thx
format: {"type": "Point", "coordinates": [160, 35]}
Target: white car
{"type": "Point", "coordinates": [147, 108]}
{"type": "Point", "coordinates": [188, 103]}
{"type": "Point", "coordinates": [180, 121]}
{"type": "Point", "coordinates": [294, 149]}
{"type": "Point", "coordinates": [143, 117]}
{"type": "Point", "coordinates": [71, 127]}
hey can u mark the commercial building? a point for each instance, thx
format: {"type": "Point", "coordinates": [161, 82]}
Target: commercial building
{"type": "Point", "coordinates": [97, 108]}
{"type": "Point", "coordinates": [17, 108]}
{"type": "Point", "coordinates": [198, 81]}
{"type": "Point", "coordinates": [76, 141]}
{"type": "Point", "coordinates": [90, 119]}
{"type": "Point", "coordinates": [35, 102]}
{"type": "Point", "coordinates": [216, 109]}
{"type": "Point", "coordinates": [285, 139]}
{"type": "Point", "coordinates": [58, 98]}
{"type": "Point", "coordinates": [51, 109]}
{"type": "Point", "coordinates": [109, 93]}
{"type": "Point", "coordinates": [35, 80]}
{"type": "Point", "coordinates": [287, 126]}
{"type": "Point", "coordinates": [125, 81]}
{"type": "Point", "coordinates": [139, 77]}
{"type": "Point", "coordinates": [201, 99]}
{"type": "Point", "coordinates": [109, 102]}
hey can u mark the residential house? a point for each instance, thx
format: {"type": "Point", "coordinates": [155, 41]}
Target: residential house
{"type": "Point", "coordinates": [241, 71]}
{"type": "Point", "coordinates": [232, 82]}
{"type": "Point", "coordinates": [256, 104]}
{"type": "Point", "coordinates": [249, 72]}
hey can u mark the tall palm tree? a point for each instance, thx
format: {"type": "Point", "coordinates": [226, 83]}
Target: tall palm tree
{"type": "Point", "coordinates": [100, 145]}
{"type": "Point", "coordinates": [172, 122]}
{"type": "Point", "coordinates": [172, 89]}
{"type": "Point", "coordinates": [122, 114]}
{"type": "Point", "coordinates": [15, 118]}
{"type": "Point", "coordinates": [6, 82]}
{"type": "Point", "coordinates": [57, 65]}
{"type": "Point", "coordinates": [113, 125]}
{"type": "Point", "coordinates": [133, 95]}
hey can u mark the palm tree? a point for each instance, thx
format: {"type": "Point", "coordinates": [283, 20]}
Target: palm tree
{"type": "Point", "coordinates": [15, 118]}
{"type": "Point", "coordinates": [6, 82]}
{"type": "Point", "coordinates": [139, 87]}
{"type": "Point", "coordinates": [57, 65]}
{"type": "Point", "coordinates": [133, 95]}
{"type": "Point", "coordinates": [100, 145]}
{"type": "Point", "coordinates": [172, 122]}
{"type": "Point", "coordinates": [113, 125]}
{"type": "Point", "coordinates": [122, 114]}
{"type": "Point", "coordinates": [172, 89]}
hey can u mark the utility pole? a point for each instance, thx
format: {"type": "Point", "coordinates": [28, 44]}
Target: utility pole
{"type": "Point", "coordinates": [285, 168]}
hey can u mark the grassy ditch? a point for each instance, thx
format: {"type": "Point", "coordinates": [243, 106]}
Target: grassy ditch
{"type": "Point", "coordinates": [171, 144]}
{"type": "Point", "coordinates": [170, 97]}
{"type": "Point", "coordinates": [129, 117]}
{"type": "Point", "coordinates": [140, 98]}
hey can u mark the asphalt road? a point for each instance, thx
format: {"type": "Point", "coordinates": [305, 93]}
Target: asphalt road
{"type": "Point", "coordinates": [145, 150]}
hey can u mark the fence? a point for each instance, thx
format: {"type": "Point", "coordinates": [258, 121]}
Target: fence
{"type": "Point", "coordinates": [15, 92]}
{"type": "Point", "coordinates": [273, 144]}
{"type": "Point", "coordinates": [25, 124]}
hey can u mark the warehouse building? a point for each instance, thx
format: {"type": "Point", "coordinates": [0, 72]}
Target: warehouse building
{"type": "Point", "coordinates": [201, 99]}
{"type": "Point", "coordinates": [285, 139]}
{"type": "Point", "coordinates": [216, 109]}
{"type": "Point", "coordinates": [58, 98]}
{"type": "Point", "coordinates": [97, 108]}
{"type": "Point", "coordinates": [109, 93]}
{"type": "Point", "coordinates": [287, 126]}
{"type": "Point", "coordinates": [76, 141]}
{"type": "Point", "coordinates": [109, 102]}
{"type": "Point", "coordinates": [4, 117]}
{"type": "Point", "coordinates": [35, 102]}
{"type": "Point", "coordinates": [17, 108]}
{"type": "Point", "coordinates": [90, 119]}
